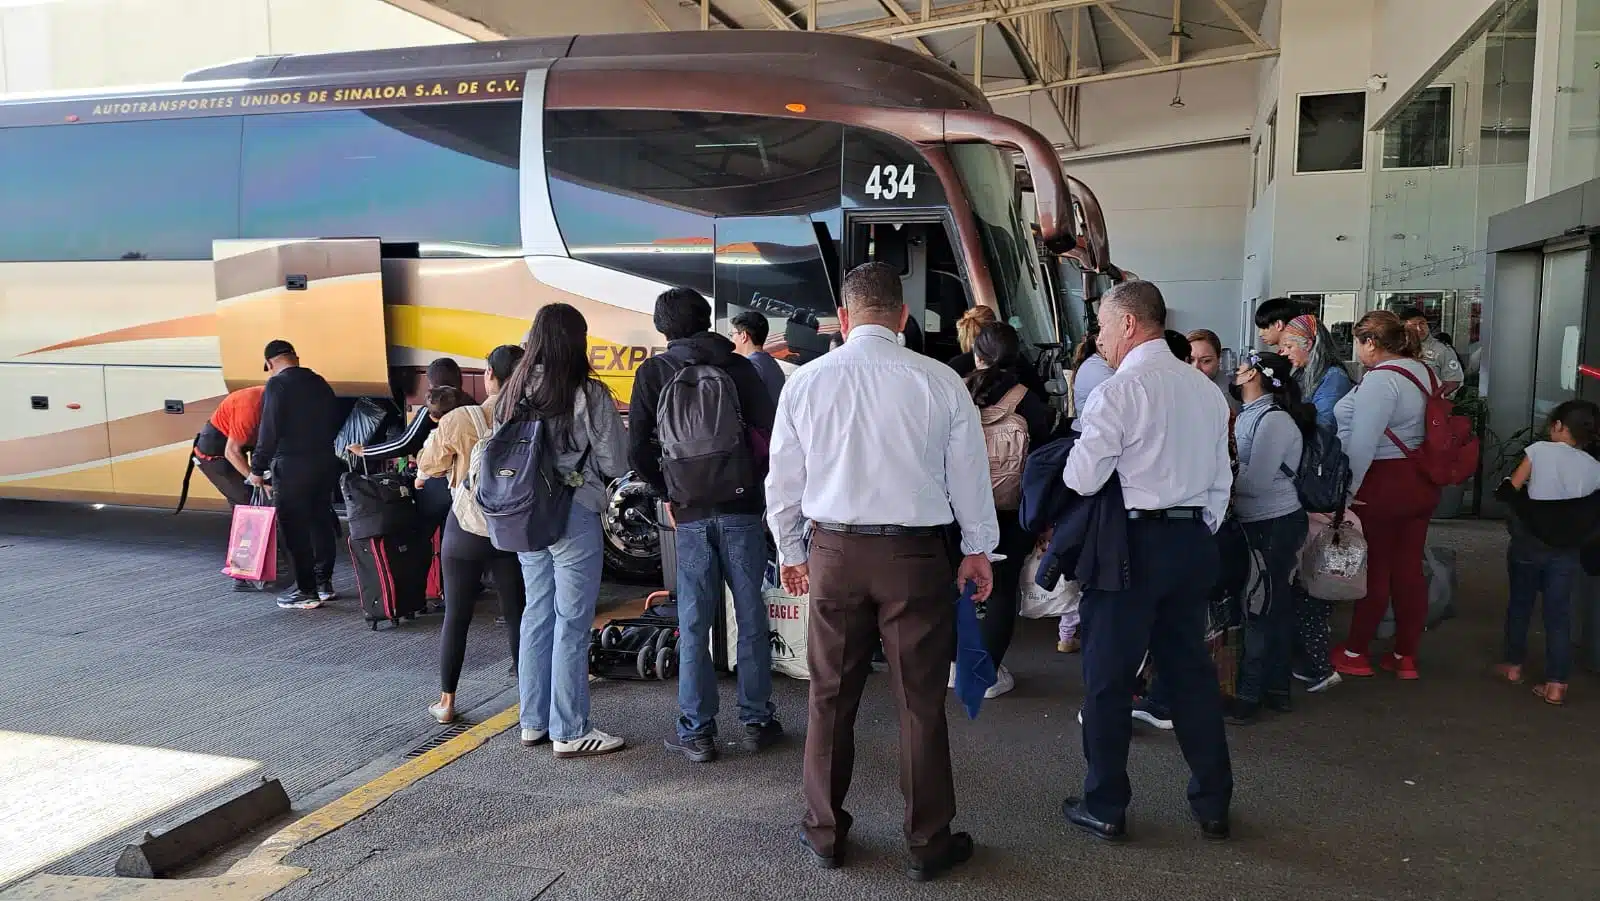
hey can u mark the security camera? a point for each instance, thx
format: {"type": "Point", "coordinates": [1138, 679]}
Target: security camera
{"type": "Point", "coordinates": [1377, 83]}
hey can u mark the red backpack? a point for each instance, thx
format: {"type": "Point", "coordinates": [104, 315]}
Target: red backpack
{"type": "Point", "coordinates": [1449, 451]}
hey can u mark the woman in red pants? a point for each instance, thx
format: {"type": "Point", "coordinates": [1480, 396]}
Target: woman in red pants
{"type": "Point", "coordinates": [1392, 497]}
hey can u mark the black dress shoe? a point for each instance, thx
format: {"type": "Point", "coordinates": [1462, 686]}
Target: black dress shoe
{"type": "Point", "coordinates": [1241, 713]}
{"type": "Point", "coordinates": [1278, 703]}
{"type": "Point", "coordinates": [957, 852]}
{"type": "Point", "coordinates": [1078, 815]}
{"type": "Point", "coordinates": [823, 861]}
{"type": "Point", "coordinates": [1214, 830]}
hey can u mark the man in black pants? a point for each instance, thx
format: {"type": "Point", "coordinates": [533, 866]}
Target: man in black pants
{"type": "Point", "coordinates": [300, 420]}
{"type": "Point", "coordinates": [1161, 429]}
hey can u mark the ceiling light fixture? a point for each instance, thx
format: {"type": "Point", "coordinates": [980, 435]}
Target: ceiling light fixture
{"type": "Point", "coordinates": [1177, 94]}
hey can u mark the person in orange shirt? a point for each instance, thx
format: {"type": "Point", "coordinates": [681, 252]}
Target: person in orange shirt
{"type": "Point", "coordinates": [221, 447]}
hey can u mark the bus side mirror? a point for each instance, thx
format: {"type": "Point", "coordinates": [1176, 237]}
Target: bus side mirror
{"type": "Point", "coordinates": [1061, 243]}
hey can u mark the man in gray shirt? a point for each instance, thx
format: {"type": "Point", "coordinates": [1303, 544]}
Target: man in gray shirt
{"type": "Point", "coordinates": [749, 337]}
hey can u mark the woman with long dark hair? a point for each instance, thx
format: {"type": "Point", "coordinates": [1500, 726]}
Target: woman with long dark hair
{"type": "Point", "coordinates": [1381, 422]}
{"type": "Point", "coordinates": [554, 383]}
{"type": "Point", "coordinates": [1270, 431]}
{"type": "Point", "coordinates": [465, 555]}
{"type": "Point", "coordinates": [998, 391]}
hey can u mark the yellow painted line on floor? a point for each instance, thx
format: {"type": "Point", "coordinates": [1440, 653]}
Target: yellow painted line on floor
{"type": "Point", "coordinates": [263, 873]}
{"type": "Point", "coordinates": [362, 800]}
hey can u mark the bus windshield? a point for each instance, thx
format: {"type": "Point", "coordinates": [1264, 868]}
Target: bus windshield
{"type": "Point", "coordinates": [991, 184]}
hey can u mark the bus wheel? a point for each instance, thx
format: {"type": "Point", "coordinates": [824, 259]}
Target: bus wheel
{"type": "Point", "coordinates": [632, 542]}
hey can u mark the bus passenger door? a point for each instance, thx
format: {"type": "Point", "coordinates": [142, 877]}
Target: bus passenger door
{"type": "Point", "coordinates": [930, 279]}
{"type": "Point", "coordinates": [323, 296]}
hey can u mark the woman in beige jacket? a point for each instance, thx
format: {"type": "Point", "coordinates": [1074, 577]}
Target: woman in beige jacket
{"type": "Point", "coordinates": [465, 555]}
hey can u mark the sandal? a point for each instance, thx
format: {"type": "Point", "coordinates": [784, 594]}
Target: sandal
{"type": "Point", "coordinates": [1552, 693]}
{"type": "Point", "coordinates": [1508, 672]}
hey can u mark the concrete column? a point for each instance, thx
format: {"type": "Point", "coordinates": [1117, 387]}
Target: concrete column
{"type": "Point", "coordinates": [1547, 123]}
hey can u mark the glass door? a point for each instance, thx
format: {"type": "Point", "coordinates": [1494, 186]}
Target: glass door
{"type": "Point", "coordinates": [1560, 335]}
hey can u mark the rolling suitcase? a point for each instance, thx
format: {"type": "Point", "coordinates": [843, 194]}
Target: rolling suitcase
{"type": "Point", "coordinates": [391, 576]}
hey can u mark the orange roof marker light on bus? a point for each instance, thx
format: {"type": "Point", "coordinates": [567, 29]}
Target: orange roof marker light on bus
{"type": "Point", "coordinates": [795, 107]}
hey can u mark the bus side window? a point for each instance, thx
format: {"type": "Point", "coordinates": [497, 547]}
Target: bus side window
{"type": "Point", "coordinates": [775, 266]}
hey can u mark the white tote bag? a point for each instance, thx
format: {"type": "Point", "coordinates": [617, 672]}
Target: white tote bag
{"type": "Point", "coordinates": [1044, 603]}
{"type": "Point", "coordinates": [788, 618]}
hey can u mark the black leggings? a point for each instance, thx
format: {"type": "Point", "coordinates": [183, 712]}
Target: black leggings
{"type": "Point", "coordinates": [1000, 619]}
{"type": "Point", "coordinates": [463, 578]}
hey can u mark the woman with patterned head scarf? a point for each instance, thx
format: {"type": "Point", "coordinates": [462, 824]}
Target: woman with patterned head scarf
{"type": "Point", "coordinates": [1309, 347]}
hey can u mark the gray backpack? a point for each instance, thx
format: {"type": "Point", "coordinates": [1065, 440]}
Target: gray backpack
{"type": "Point", "coordinates": [706, 456]}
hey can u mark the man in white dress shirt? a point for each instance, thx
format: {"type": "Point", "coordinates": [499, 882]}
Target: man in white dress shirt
{"type": "Point", "coordinates": [1161, 428]}
{"type": "Point", "coordinates": [880, 447]}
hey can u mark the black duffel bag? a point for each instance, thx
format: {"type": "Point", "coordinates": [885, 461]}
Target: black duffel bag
{"type": "Point", "coordinates": [379, 505]}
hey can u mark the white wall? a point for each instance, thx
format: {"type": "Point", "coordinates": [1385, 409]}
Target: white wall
{"type": "Point", "coordinates": [1326, 47]}
{"type": "Point", "coordinates": [1177, 219]}
{"type": "Point", "coordinates": [1410, 38]}
{"type": "Point", "coordinates": [76, 44]}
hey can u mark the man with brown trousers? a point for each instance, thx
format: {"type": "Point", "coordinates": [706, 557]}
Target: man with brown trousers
{"type": "Point", "coordinates": [878, 446]}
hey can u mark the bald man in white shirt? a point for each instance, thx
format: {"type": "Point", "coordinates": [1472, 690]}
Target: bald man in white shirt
{"type": "Point", "coordinates": [1161, 428]}
{"type": "Point", "coordinates": [881, 448]}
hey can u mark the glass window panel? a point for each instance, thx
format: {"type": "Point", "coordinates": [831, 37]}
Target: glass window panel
{"type": "Point", "coordinates": [1419, 135]}
{"type": "Point", "coordinates": [1332, 135]}
{"type": "Point", "coordinates": [159, 190]}
{"type": "Point", "coordinates": [640, 190]}
{"type": "Point", "coordinates": [443, 176]}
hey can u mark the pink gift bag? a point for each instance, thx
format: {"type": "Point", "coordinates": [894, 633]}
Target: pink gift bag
{"type": "Point", "coordinates": [253, 544]}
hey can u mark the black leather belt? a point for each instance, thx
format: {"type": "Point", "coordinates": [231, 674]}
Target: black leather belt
{"type": "Point", "coordinates": [1171, 514]}
{"type": "Point", "coordinates": [839, 528]}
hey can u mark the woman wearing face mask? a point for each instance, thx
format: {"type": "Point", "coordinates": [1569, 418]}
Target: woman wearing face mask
{"type": "Point", "coordinates": [1321, 378]}
{"type": "Point", "coordinates": [1270, 431]}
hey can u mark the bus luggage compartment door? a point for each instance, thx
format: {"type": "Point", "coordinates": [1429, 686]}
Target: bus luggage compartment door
{"type": "Point", "coordinates": [323, 296]}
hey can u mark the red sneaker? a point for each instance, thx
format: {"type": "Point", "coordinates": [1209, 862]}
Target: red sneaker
{"type": "Point", "coordinates": [1402, 667]}
{"type": "Point", "coordinates": [1346, 664]}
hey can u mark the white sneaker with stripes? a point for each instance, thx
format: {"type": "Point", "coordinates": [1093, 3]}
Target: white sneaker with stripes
{"type": "Point", "coordinates": [591, 745]}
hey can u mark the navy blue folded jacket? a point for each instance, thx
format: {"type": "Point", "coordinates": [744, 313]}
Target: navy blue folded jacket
{"type": "Point", "coordinates": [1090, 541]}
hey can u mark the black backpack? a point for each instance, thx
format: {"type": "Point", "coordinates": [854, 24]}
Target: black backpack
{"type": "Point", "coordinates": [525, 498]}
{"type": "Point", "coordinates": [1323, 480]}
{"type": "Point", "coordinates": [706, 456]}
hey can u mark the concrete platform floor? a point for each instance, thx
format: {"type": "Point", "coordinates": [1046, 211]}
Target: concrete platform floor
{"type": "Point", "coordinates": [137, 688]}
{"type": "Point", "coordinates": [1451, 787]}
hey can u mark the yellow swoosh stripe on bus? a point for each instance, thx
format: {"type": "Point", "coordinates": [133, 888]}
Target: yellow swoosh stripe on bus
{"type": "Point", "coordinates": [466, 333]}
{"type": "Point", "coordinates": [472, 334]}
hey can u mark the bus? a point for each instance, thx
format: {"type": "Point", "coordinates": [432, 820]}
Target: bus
{"type": "Point", "coordinates": [380, 209]}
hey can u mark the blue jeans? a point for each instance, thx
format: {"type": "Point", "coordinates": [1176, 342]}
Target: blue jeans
{"type": "Point", "coordinates": [1269, 632]}
{"type": "Point", "coordinates": [563, 584]}
{"type": "Point", "coordinates": [1536, 568]}
{"type": "Point", "coordinates": [733, 548]}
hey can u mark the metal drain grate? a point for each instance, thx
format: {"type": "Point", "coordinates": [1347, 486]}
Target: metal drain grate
{"type": "Point", "coordinates": [451, 732]}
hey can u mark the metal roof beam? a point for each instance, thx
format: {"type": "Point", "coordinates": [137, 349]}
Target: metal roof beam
{"type": "Point", "coordinates": [655, 16]}
{"type": "Point", "coordinates": [780, 19]}
{"type": "Point", "coordinates": [1127, 31]}
{"type": "Point", "coordinates": [893, 8]}
{"type": "Point", "coordinates": [939, 24]}
{"type": "Point", "coordinates": [1239, 23]}
{"type": "Point", "coordinates": [1132, 73]}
